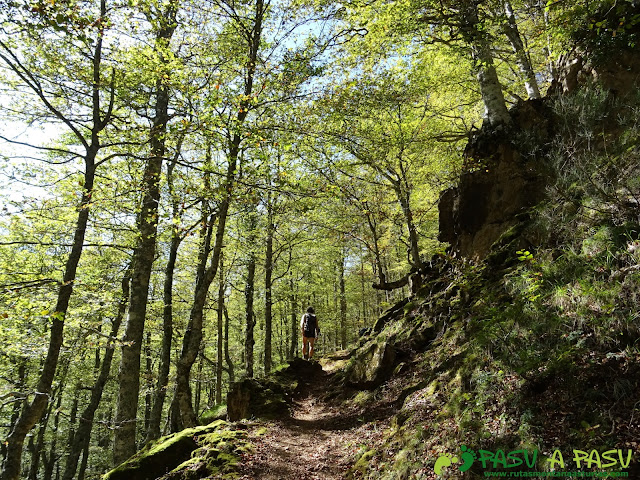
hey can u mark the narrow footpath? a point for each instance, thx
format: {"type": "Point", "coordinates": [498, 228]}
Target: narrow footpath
{"type": "Point", "coordinates": [320, 440]}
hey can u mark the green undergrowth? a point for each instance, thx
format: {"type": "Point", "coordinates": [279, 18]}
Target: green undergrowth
{"type": "Point", "coordinates": [538, 353]}
{"type": "Point", "coordinates": [537, 347]}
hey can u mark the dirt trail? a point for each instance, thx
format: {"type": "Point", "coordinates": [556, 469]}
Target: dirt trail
{"type": "Point", "coordinates": [318, 441]}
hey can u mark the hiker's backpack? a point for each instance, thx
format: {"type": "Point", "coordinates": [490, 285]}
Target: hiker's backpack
{"type": "Point", "coordinates": [310, 323]}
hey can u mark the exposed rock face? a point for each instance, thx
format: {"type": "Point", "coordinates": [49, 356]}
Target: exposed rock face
{"type": "Point", "coordinates": [505, 173]}
{"type": "Point", "coordinates": [270, 397]}
{"type": "Point", "coordinates": [504, 177]}
{"type": "Point", "coordinates": [372, 365]}
{"type": "Point", "coordinates": [250, 398]}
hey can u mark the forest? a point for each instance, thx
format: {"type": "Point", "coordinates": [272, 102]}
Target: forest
{"type": "Point", "coordinates": [180, 180]}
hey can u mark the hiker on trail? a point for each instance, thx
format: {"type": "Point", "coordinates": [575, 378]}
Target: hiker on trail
{"type": "Point", "coordinates": [310, 330]}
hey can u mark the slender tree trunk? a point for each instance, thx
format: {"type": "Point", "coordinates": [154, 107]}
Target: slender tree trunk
{"type": "Point", "coordinates": [85, 460]}
{"type": "Point", "coordinates": [373, 228]}
{"type": "Point", "coordinates": [83, 435]}
{"type": "Point", "coordinates": [250, 320]}
{"type": "Point", "coordinates": [490, 89]}
{"type": "Point", "coordinates": [148, 398]}
{"type": "Point", "coordinates": [295, 328]}
{"type": "Point", "coordinates": [510, 28]}
{"type": "Point", "coordinates": [405, 204]}
{"type": "Point", "coordinates": [199, 381]}
{"type": "Point", "coordinates": [227, 357]}
{"type": "Point", "coordinates": [73, 419]}
{"type": "Point", "coordinates": [220, 312]}
{"type": "Point", "coordinates": [182, 400]}
{"type": "Point", "coordinates": [362, 288]}
{"type": "Point", "coordinates": [268, 285]}
{"type": "Point", "coordinates": [36, 445]}
{"type": "Point", "coordinates": [144, 256]}
{"type": "Point", "coordinates": [160, 391]}
{"type": "Point", "coordinates": [182, 408]}
{"type": "Point", "coordinates": [343, 305]}
{"type": "Point", "coordinates": [50, 459]}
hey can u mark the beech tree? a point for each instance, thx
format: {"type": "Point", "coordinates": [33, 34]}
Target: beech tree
{"type": "Point", "coordinates": [163, 20]}
{"type": "Point", "coordinates": [57, 99]}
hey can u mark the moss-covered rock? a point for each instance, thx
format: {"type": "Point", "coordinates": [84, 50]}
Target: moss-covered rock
{"type": "Point", "coordinates": [174, 455]}
{"type": "Point", "coordinates": [218, 412]}
{"type": "Point", "coordinates": [269, 397]}
{"type": "Point", "coordinates": [372, 364]}
{"type": "Point", "coordinates": [362, 464]}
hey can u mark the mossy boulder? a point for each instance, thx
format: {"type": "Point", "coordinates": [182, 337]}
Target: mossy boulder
{"type": "Point", "coordinates": [372, 364]}
{"type": "Point", "coordinates": [269, 397]}
{"type": "Point", "coordinates": [166, 454]}
{"type": "Point", "coordinates": [218, 456]}
{"type": "Point", "coordinates": [250, 398]}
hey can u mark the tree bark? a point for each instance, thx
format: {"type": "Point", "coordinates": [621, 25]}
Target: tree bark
{"type": "Point", "coordinates": [227, 357]}
{"type": "Point", "coordinates": [50, 459]}
{"type": "Point", "coordinates": [295, 328]}
{"type": "Point", "coordinates": [510, 28]}
{"type": "Point", "coordinates": [268, 285]}
{"type": "Point", "coordinates": [220, 343]}
{"type": "Point", "coordinates": [414, 247]}
{"type": "Point", "coordinates": [250, 321]}
{"type": "Point", "coordinates": [144, 256]}
{"type": "Point", "coordinates": [343, 304]}
{"type": "Point", "coordinates": [490, 89]}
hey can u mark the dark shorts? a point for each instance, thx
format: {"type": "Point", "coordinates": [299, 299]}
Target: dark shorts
{"type": "Point", "coordinates": [309, 334]}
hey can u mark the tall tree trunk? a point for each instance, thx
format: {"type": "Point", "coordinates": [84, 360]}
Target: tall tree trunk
{"type": "Point", "coordinates": [343, 304]}
{"type": "Point", "coordinates": [160, 391]}
{"type": "Point", "coordinates": [373, 228]}
{"type": "Point", "coordinates": [510, 28]}
{"type": "Point", "coordinates": [129, 377]}
{"type": "Point", "coordinates": [220, 312]}
{"type": "Point", "coordinates": [50, 459]}
{"type": "Point", "coordinates": [36, 445]}
{"type": "Point", "coordinates": [490, 89]}
{"type": "Point", "coordinates": [250, 320]}
{"type": "Point", "coordinates": [193, 334]}
{"type": "Point", "coordinates": [268, 285]}
{"type": "Point", "coordinates": [148, 398]}
{"type": "Point", "coordinates": [83, 464]}
{"type": "Point", "coordinates": [199, 381]}
{"type": "Point", "coordinates": [403, 194]}
{"type": "Point", "coordinates": [182, 408]}
{"type": "Point", "coordinates": [83, 435]}
{"type": "Point", "coordinates": [227, 357]}
{"type": "Point", "coordinates": [295, 328]}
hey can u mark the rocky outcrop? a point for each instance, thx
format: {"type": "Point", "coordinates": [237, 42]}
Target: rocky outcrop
{"type": "Point", "coordinates": [372, 364]}
{"type": "Point", "coordinates": [504, 166]}
{"type": "Point", "coordinates": [250, 398]}
{"type": "Point", "coordinates": [504, 176]}
{"type": "Point", "coordinates": [269, 397]}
